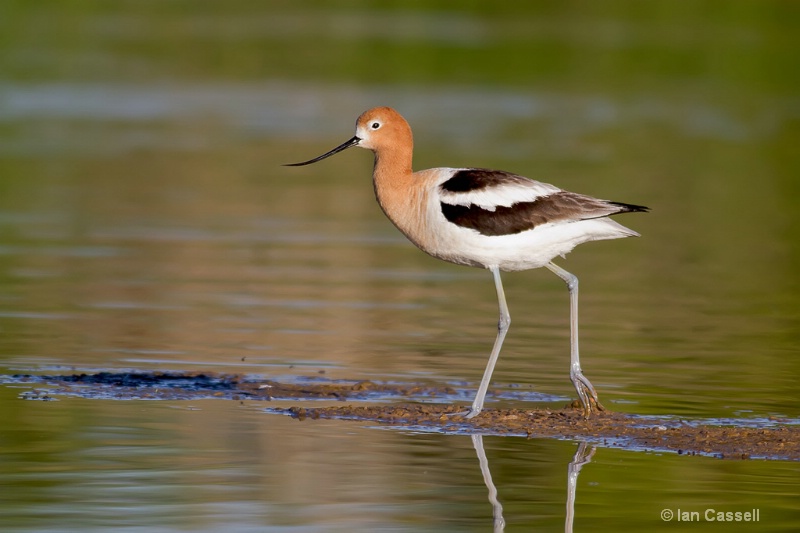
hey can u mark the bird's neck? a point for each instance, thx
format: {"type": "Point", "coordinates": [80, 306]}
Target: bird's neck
{"type": "Point", "coordinates": [392, 172]}
{"type": "Point", "coordinates": [394, 162]}
{"type": "Point", "coordinates": [395, 189]}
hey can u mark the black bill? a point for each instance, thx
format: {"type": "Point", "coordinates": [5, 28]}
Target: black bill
{"type": "Point", "coordinates": [344, 146]}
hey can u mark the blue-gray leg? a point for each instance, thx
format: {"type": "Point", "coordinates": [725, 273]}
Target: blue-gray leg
{"type": "Point", "coordinates": [502, 329]}
{"type": "Point", "coordinates": [586, 392]}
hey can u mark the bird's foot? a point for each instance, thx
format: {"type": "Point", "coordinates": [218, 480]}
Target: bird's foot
{"type": "Point", "coordinates": [472, 412]}
{"type": "Point", "coordinates": [586, 394]}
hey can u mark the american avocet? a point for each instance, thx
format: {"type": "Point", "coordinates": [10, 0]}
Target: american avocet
{"type": "Point", "coordinates": [485, 218]}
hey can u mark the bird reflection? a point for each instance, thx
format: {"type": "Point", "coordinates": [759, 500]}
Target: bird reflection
{"type": "Point", "coordinates": [582, 457]}
{"type": "Point", "coordinates": [497, 509]}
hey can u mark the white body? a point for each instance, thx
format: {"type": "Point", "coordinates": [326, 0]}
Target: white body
{"type": "Point", "coordinates": [533, 248]}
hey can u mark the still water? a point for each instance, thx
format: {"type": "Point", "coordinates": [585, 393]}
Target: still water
{"type": "Point", "coordinates": [146, 223]}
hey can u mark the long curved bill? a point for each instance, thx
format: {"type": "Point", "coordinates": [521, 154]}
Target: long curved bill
{"type": "Point", "coordinates": [344, 146]}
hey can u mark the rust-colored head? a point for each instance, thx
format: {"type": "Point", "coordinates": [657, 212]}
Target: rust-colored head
{"type": "Point", "coordinates": [377, 129]}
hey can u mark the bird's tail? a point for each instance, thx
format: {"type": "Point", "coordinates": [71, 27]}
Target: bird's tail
{"type": "Point", "coordinates": [629, 208]}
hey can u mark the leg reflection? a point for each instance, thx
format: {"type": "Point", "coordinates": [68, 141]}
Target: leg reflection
{"type": "Point", "coordinates": [497, 509]}
{"type": "Point", "coordinates": [582, 456]}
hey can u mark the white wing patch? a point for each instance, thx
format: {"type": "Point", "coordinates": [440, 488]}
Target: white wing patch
{"type": "Point", "coordinates": [498, 189]}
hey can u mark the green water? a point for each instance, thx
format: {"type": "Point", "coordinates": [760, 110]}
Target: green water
{"type": "Point", "coordinates": [146, 223]}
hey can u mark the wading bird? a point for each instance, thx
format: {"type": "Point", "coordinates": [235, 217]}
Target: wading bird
{"type": "Point", "coordinates": [485, 218]}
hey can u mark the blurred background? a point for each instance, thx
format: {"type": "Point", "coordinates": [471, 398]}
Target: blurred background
{"type": "Point", "coordinates": [146, 223]}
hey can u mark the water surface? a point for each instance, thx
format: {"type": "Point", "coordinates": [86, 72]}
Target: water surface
{"type": "Point", "coordinates": [146, 223]}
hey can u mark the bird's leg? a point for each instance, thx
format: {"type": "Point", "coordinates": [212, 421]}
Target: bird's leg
{"type": "Point", "coordinates": [502, 329]}
{"type": "Point", "coordinates": [586, 392]}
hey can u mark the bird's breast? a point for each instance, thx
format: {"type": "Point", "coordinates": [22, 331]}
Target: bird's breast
{"type": "Point", "coordinates": [411, 202]}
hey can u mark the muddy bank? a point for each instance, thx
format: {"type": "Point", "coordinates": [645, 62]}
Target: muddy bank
{"type": "Point", "coordinates": [607, 428]}
{"type": "Point", "coordinates": [179, 386]}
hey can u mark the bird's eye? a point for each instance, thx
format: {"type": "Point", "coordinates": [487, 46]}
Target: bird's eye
{"type": "Point", "coordinates": [375, 125]}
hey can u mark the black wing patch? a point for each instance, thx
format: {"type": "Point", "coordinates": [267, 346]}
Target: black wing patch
{"type": "Point", "coordinates": [524, 216]}
{"type": "Point", "coordinates": [475, 179]}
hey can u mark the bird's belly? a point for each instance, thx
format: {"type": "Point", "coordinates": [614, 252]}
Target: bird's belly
{"type": "Point", "coordinates": [519, 251]}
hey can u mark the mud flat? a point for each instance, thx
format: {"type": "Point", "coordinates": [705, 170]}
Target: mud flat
{"type": "Point", "coordinates": [378, 403]}
{"type": "Point", "coordinates": [607, 428]}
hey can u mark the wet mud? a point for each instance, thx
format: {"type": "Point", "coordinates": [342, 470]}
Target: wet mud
{"type": "Point", "coordinates": [607, 428]}
{"type": "Point", "coordinates": [774, 440]}
{"type": "Point", "coordinates": [180, 386]}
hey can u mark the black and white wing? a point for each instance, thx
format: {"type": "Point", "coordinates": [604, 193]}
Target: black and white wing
{"type": "Point", "coordinates": [495, 203]}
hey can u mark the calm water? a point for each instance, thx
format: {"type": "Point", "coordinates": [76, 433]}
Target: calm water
{"type": "Point", "coordinates": [146, 223]}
